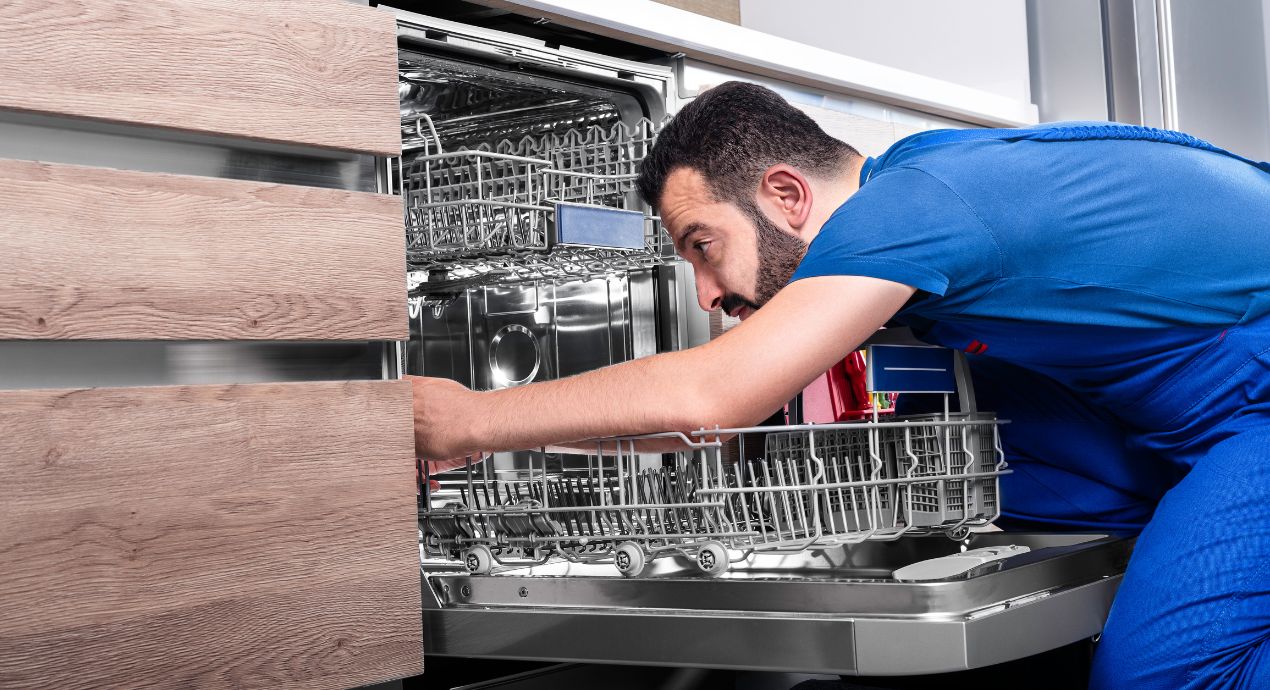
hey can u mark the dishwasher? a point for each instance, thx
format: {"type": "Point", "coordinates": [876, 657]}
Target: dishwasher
{"type": "Point", "coordinates": [858, 548]}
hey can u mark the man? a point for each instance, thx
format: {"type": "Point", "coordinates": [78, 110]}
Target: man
{"type": "Point", "coordinates": [1111, 285]}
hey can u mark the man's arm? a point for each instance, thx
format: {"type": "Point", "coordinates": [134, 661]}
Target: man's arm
{"type": "Point", "coordinates": [736, 380]}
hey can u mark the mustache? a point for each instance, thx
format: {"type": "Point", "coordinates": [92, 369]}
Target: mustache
{"type": "Point", "coordinates": [733, 301]}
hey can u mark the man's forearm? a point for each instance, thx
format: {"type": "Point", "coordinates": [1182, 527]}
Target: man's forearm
{"type": "Point", "coordinates": [660, 393]}
{"type": "Point", "coordinates": [735, 380]}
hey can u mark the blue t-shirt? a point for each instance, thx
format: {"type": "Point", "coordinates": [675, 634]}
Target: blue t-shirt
{"type": "Point", "coordinates": [1075, 249]}
{"type": "Point", "coordinates": [1090, 231]}
{"type": "Point", "coordinates": [1114, 261]}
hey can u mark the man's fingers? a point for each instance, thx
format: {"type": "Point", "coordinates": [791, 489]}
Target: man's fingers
{"type": "Point", "coordinates": [433, 467]}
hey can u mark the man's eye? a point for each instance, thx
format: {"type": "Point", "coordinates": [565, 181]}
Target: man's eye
{"type": "Point", "coordinates": [701, 247]}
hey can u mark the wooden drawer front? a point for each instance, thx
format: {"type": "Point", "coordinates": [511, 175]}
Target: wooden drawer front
{"type": "Point", "coordinates": [208, 536]}
{"type": "Point", "coordinates": [96, 253]}
{"type": "Point", "coordinates": [313, 72]}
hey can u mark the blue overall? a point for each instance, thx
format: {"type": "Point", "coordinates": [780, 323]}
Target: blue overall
{"type": "Point", "coordinates": [1111, 286]}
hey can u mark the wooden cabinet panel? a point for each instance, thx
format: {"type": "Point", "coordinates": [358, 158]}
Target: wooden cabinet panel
{"type": "Point", "coordinates": [313, 72]}
{"type": "Point", "coordinates": [726, 10]}
{"type": "Point", "coordinates": [208, 536]}
{"type": "Point", "coordinates": [96, 253]}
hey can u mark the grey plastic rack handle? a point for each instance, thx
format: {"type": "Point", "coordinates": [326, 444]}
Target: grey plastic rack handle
{"type": "Point", "coordinates": [949, 566]}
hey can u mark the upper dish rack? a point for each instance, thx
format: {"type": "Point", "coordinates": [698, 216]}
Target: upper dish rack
{"type": "Point", "coordinates": [553, 206]}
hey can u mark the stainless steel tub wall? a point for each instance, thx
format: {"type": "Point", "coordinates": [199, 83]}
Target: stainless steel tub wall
{"type": "Point", "coordinates": [496, 337]}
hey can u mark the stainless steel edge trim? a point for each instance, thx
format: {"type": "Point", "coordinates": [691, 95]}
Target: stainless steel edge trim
{"type": "Point", "coordinates": [1124, 99]}
{"type": "Point", "coordinates": [411, 24]}
{"type": "Point", "coordinates": [53, 139]}
{"type": "Point", "coordinates": [43, 364]}
{"type": "Point", "coordinates": [1168, 78]}
{"type": "Point", "coordinates": [909, 647]}
{"type": "Point", "coordinates": [1041, 624]}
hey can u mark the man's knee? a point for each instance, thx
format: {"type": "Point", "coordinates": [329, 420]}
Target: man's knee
{"type": "Point", "coordinates": [1194, 607]}
{"type": "Point", "coordinates": [1124, 660]}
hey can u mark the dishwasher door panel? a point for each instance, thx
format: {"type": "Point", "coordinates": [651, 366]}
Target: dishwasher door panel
{"type": "Point", "coordinates": [832, 610]}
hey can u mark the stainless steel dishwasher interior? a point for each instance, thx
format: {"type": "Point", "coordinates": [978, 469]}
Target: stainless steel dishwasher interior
{"type": "Point", "coordinates": [491, 331]}
{"type": "Point", "coordinates": [506, 315]}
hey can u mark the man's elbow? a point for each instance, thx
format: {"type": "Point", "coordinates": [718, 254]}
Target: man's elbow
{"type": "Point", "coordinates": [704, 407]}
{"type": "Point", "coordinates": [698, 394]}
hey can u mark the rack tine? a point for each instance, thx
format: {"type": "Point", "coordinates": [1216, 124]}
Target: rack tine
{"type": "Point", "coordinates": [585, 496]}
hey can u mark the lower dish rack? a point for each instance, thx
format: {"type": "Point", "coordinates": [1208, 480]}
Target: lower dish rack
{"type": "Point", "coordinates": [813, 486]}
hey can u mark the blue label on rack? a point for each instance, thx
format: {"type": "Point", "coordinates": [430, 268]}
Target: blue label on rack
{"type": "Point", "coordinates": [595, 226]}
{"type": "Point", "coordinates": [911, 369]}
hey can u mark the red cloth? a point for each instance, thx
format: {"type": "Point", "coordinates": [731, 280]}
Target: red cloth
{"type": "Point", "coordinates": [840, 394]}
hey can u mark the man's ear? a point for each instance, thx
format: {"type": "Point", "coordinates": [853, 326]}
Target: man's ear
{"type": "Point", "coordinates": [785, 193]}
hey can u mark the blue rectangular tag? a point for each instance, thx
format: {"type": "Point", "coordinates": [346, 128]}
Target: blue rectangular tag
{"type": "Point", "coordinates": [911, 369]}
{"type": "Point", "coordinates": [594, 226]}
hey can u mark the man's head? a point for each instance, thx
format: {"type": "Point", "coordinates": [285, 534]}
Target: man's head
{"type": "Point", "coordinates": [743, 181]}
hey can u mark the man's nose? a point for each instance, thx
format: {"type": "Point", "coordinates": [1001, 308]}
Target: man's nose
{"type": "Point", "coordinates": [709, 295]}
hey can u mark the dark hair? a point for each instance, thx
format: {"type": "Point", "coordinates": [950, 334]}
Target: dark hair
{"type": "Point", "coordinates": [731, 134]}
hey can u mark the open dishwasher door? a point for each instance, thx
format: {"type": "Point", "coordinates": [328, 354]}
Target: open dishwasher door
{"type": "Point", "coordinates": [836, 610]}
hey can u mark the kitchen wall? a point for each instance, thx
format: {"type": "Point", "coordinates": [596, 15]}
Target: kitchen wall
{"type": "Point", "coordinates": [977, 43]}
{"type": "Point", "coordinates": [1065, 57]}
{"type": "Point", "coordinates": [1223, 78]}
{"type": "Point", "coordinates": [1048, 52]}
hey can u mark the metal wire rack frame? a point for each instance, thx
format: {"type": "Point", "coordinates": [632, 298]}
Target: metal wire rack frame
{"type": "Point", "coordinates": [814, 485]}
{"type": "Point", "coordinates": [486, 215]}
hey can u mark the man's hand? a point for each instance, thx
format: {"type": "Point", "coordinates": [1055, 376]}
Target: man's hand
{"type": "Point", "coordinates": [442, 412]}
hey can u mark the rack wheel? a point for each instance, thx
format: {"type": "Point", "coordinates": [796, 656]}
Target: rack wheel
{"type": "Point", "coordinates": [629, 559]}
{"type": "Point", "coordinates": [712, 558]}
{"type": "Point", "coordinates": [958, 534]}
{"type": "Point", "coordinates": [478, 559]}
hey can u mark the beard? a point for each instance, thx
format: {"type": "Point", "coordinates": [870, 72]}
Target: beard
{"type": "Point", "coordinates": [779, 254]}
